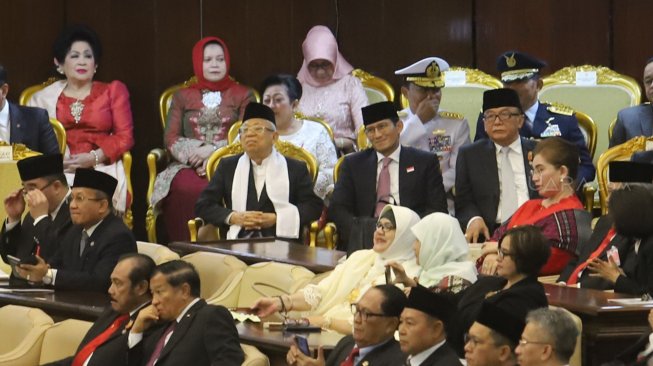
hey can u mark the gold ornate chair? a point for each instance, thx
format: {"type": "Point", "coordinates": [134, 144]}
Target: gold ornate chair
{"type": "Point", "coordinates": [60, 132]}
{"type": "Point", "coordinates": [328, 228]}
{"type": "Point", "coordinates": [617, 153]}
{"type": "Point", "coordinates": [285, 148]}
{"type": "Point", "coordinates": [376, 88]}
{"type": "Point", "coordinates": [159, 158]}
{"type": "Point", "coordinates": [464, 93]}
{"type": "Point", "coordinates": [611, 93]}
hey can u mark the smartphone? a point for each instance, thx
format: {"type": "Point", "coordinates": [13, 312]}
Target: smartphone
{"type": "Point", "coordinates": [388, 275]}
{"type": "Point", "coordinates": [13, 261]}
{"type": "Point", "coordinates": [245, 310]}
{"type": "Point", "coordinates": [302, 344]}
{"type": "Point", "coordinates": [613, 253]}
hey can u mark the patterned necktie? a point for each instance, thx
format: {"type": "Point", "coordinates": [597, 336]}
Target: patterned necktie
{"type": "Point", "coordinates": [383, 187]}
{"type": "Point", "coordinates": [83, 242]}
{"type": "Point", "coordinates": [91, 346]}
{"type": "Point", "coordinates": [508, 199]}
{"type": "Point", "coordinates": [349, 361]}
{"type": "Point", "coordinates": [160, 344]}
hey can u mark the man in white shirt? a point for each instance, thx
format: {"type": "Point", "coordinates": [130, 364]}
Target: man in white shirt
{"type": "Point", "coordinates": [422, 329]}
{"type": "Point", "coordinates": [29, 126]}
{"type": "Point", "coordinates": [493, 176]}
{"type": "Point", "coordinates": [549, 338]}
{"type": "Point", "coordinates": [180, 328]}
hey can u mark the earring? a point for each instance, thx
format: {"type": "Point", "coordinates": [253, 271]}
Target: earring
{"type": "Point", "coordinates": [562, 179]}
{"type": "Point", "coordinates": [60, 70]}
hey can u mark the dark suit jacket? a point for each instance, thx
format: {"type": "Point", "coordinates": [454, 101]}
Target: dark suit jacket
{"type": "Point", "coordinates": [443, 356]}
{"type": "Point", "coordinates": [519, 299]}
{"type": "Point", "coordinates": [637, 267]}
{"type": "Point", "coordinates": [113, 351]}
{"type": "Point", "coordinates": [477, 181]}
{"type": "Point", "coordinates": [214, 204]}
{"type": "Point", "coordinates": [92, 270]}
{"type": "Point", "coordinates": [420, 188]}
{"type": "Point", "coordinates": [632, 122]}
{"type": "Point", "coordinates": [20, 241]}
{"type": "Point", "coordinates": [31, 127]}
{"type": "Point", "coordinates": [569, 130]}
{"type": "Point", "coordinates": [206, 335]}
{"type": "Point", "coordinates": [388, 353]}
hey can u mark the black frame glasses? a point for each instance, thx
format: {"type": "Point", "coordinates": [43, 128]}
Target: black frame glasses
{"type": "Point", "coordinates": [365, 315]}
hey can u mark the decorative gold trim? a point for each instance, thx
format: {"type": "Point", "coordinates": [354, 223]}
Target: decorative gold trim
{"type": "Point", "coordinates": [585, 122]}
{"type": "Point", "coordinates": [376, 83]}
{"type": "Point", "coordinates": [604, 75]}
{"type": "Point", "coordinates": [559, 108]}
{"type": "Point", "coordinates": [20, 151]}
{"type": "Point", "coordinates": [451, 115]}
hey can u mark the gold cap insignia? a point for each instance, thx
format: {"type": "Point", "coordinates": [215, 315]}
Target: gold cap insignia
{"type": "Point", "coordinates": [433, 70]}
{"type": "Point", "coordinates": [510, 61]}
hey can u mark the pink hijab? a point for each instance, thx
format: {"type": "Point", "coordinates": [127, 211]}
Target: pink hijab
{"type": "Point", "coordinates": [321, 44]}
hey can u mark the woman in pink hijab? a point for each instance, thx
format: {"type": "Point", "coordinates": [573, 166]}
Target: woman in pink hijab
{"type": "Point", "coordinates": [330, 91]}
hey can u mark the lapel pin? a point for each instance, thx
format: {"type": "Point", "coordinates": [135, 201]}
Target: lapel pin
{"type": "Point", "coordinates": [410, 169]}
{"type": "Point", "coordinates": [92, 243]}
{"type": "Point", "coordinates": [18, 125]}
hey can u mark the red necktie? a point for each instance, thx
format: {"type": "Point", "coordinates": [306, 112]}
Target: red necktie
{"type": "Point", "coordinates": [349, 361]}
{"type": "Point", "coordinates": [160, 344]}
{"type": "Point", "coordinates": [91, 346]}
{"type": "Point", "coordinates": [573, 278]}
{"type": "Point", "coordinates": [383, 187]}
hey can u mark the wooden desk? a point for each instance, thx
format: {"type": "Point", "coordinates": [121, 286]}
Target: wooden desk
{"type": "Point", "coordinates": [608, 328]}
{"type": "Point", "coordinates": [251, 251]}
{"type": "Point", "coordinates": [61, 305]}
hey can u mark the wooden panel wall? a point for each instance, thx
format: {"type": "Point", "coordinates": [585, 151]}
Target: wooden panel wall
{"type": "Point", "coordinates": [147, 43]}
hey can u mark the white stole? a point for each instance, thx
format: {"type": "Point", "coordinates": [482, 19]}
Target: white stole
{"type": "Point", "coordinates": [277, 185]}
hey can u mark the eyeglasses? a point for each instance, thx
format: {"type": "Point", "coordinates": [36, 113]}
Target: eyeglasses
{"type": "Point", "coordinates": [319, 65]}
{"type": "Point", "coordinates": [385, 228]}
{"type": "Point", "coordinates": [257, 130]}
{"type": "Point", "coordinates": [473, 340]}
{"type": "Point", "coordinates": [381, 128]}
{"type": "Point", "coordinates": [28, 189]}
{"type": "Point", "coordinates": [503, 116]}
{"type": "Point", "coordinates": [80, 198]}
{"type": "Point", "coordinates": [501, 253]}
{"type": "Point", "coordinates": [355, 310]}
{"type": "Point", "coordinates": [523, 342]}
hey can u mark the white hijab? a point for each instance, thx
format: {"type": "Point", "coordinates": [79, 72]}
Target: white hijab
{"type": "Point", "coordinates": [444, 250]}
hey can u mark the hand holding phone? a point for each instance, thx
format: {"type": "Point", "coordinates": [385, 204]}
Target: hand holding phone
{"type": "Point", "coordinates": [388, 275]}
{"type": "Point", "coordinates": [302, 344]}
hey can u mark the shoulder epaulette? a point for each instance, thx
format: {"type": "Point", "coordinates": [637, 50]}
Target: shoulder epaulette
{"type": "Point", "coordinates": [402, 114]}
{"type": "Point", "coordinates": [560, 109]}
{"type": "Point", "coordinates": [451, 115]}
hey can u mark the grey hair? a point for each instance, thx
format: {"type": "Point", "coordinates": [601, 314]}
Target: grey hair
{"type": "Point", "coordinates": [559, 327]}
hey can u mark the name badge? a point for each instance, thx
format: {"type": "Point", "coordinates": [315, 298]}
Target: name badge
{"type": "Point", "coordinates": [551, 131]}
{"type": "Point", "coordinates": [6, 153]}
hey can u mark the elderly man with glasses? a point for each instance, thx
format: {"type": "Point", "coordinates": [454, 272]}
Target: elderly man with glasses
{"type": "Point", "coordinates": [376, 317]}
{"type": "Point", "coordinates": [493, 176]}
{"type": "Point", "coordinates": [260, 192]}
{"type": "Point", "coordinates": [549, 338]}
{"type": "Point", "coordinates": [89, 251]}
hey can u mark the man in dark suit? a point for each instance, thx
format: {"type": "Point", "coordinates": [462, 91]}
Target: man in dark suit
{"type": "Point", "coordinates": [29, 126]}
{"type": "Point", "coordinates": [549, 338]}
{"type": "Point", "coordinates": [388, 173]}
{"type": "Point", "coordinates": [45, 193]}
{"type": "Point", "coordinates": [182, 328]}
{"type": "Point", "coordinates": [260, 192]}
{"type": "Point", "coordinates": [372, 341]}
{"type": "Point", "coordinates": [486, 195]}
{"type": "Point", "coordinates": [521, 72]}
{"type": "Point", "coordinates": [638, 120]}
{"type": "Point", "coordinates": [106, 342]}
{"type": "Point", "coordinates": [493, 337]}
{"type": "Point", "coordinates": [422, 329]}
{"type": "Point", "coordinates": [91, 248]}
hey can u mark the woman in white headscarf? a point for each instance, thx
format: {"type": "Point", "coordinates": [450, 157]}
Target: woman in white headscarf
{"type": "Point", "coordinates": [442, 252]}
{"type": "Point", "coordinates": [328, 303]}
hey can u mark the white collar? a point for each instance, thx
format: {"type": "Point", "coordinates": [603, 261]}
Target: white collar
{"type": "Point", "coordinates": [4, 115]}
{"type": "Point", "coordinates": [394, 156]}
{"type": "Point", "coordinates": [515, 146]}
{"type": "Point", "coordinates": [422, 356]}
{"type": "Point", "coordinates": [532, 111]}
{"type": "Point", "coordinates": [264, 162]}
{"type": "Point", "coordinates": [183, 312]}
{"type": "Point", "coordinates": [90, 230]}
{"type": "Point", "coordinates": [54, 213]}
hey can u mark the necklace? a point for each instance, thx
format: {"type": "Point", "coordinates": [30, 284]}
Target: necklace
{"type": "Point", "coordinates": [76, 110]}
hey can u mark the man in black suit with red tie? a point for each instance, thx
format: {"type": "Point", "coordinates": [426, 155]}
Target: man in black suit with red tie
{"type": "Point", "coordinates": [376, 317]}
{"type": "Point", "coordinates": [180, 328]}
{"type": "Point", "coordinates": [387, 173]}
{"type": "Point", "coordinates": [106, 342]}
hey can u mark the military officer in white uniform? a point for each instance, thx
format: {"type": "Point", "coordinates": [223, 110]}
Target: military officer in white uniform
{"type": "Point", "coordinates": [426, 127]}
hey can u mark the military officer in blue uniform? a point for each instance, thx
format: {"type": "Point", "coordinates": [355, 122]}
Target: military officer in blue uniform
{"type": "Point", "coordinates": [521, 72]}
{"type": "Point", "coordinates": [426, 126]}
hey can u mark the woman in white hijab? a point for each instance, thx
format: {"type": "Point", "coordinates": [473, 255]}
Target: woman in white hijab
{"type": "Point", "coordinates": [442, 252]}
{"type": "Point", "coordinates": [328, 303]}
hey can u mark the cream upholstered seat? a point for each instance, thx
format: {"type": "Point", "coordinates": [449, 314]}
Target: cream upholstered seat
{"type": "Point", "coordinates": [159, 253]}
{"type": "Point", "coordinates": [62, 340]}
{"type": "Point", "coordinates": [254, 357]}
{"type": "Point", "coordinates": [220, 276]}
{"type": "Point", "coordinates": [270, 279]}
{"type": "Point", "coordinates": [601, 101]}
{"type": "Point", "coordinates": [21, 334]}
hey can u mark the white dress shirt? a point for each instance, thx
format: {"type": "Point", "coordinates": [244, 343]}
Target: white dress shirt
{"type": "Point", "coordinates": [417, 359]}
{"type": "Point", "coordinates": [4, 123]}
{"type": "Point", "coordinates": [393, 169]}
{"type": "Point", "coordinates": [516, 157]}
